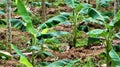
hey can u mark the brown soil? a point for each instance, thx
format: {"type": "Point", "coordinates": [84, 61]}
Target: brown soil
{"type": "Point", "coordinates": [80, 53]}
{"type": "Point", "coordinates": [8, 63]}
{"type": "Point", "coordinates": [18, 38]}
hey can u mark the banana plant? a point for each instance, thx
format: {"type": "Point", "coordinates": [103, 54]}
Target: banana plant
{"type": "Point", "coordinates": [78, 10]}
{"type": "Point", "coordinates": [108, 34]}
{"type": "Point", "coordinates": [28, 24]}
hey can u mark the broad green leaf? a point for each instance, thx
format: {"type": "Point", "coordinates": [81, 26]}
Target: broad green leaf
{"type": "Point", "coordinates": [93, 21]}
{"type": "Point", "coordinates": [23, 59]}
{"type": "Point", "coordinates": [95, 14]}
{"type": "Point", "coordinates": [83, 28]}
{"type": "Point", "coordinates": [104, 3]}
{"type": "Point", "coordinates": [93, 40]}
{"type": "Point", "coordinates": [3, 22]}
{"type": "Point", "coordinates": [31, 48]}
{"type": "Point", "coordinates": [51, 34]}
{"type": "Point", "coordinates": [2, 3]}
{"type": "Point", "coordinates": [42, 64]}
{"type": "Point", "coordinates": [2, 12]}
{"type": "Point", "coordinates": [16, 23]}
{"type": "Point", "coordinates": [95, 32]}
{"type": "Point", "coordinates": [71, 63]}
{"type": "Point", "coordinates": [33, 4]}
{"type": "Point", "coordinates": [84, 9]}
{"type": "Point", "coordinates": [24, 14]}
{"type": "Point", "coordinates": [117, 35]}
{"type": "Point", "coordinates": [54, 21]}
{"type": "Point", "coordinates": [59, 63]}
{"type": "Point", "coordinates": [116, 21]}
{"type": "Point", "coordinates": [66, 23]}
{"type": "Point", "coordinates": [47, 54]}
{"type": "Point", "coordinates": [44, 36]}
{"type": "Point", "coordinates": [72, 3]}
{"type": "Point", "coordinates": [115, 57]}
{"type": "Point", "coordinates": [116, 47]}
{"type": "Point", "coordinates": [58, 33]}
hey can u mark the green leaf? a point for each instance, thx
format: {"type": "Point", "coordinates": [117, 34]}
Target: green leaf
{"type": "Point", "coordinates": [2, 3]}
{"type": "Point", "coordinates": [33, 4]}
{"type": "Point", "coordinates": [83, 28]}
{"type": "Point", "coordinates": [23, 59]}
{"type": "Point", "coordinates": [17, 50]}
{"type": "Point", "coordinates": [71, 63]}
{"type": "Point", "coordinates": [95, 14]}
{"type": "Point", "coordinates": [114, 56]}
{"type": "Point", "coordinates": [85, 8]}
{"type": "Point", "coordinates": [104, 3]}
{"type": "Point", "coordinates": [93, 40]}
{"type": "Point", "coordinates": [16, 23]}
{"type": "Point", "coordinates": [95, 32]}
{"type": "Point", "coordinates": [42, 64]}
{"type": "Point", "coordinates": [117, 35]}
{"type": "Point", "coordinates": [2, 12]}
{"type": "Point", "coordinates": [54, 21]}
{"type": "Point", "coordinates": [3, 22]}
{"type": "Point", "coordinates": [31, 48]}
{"type": "Point", "coordinates": [116, 47]}
{"type": "Point", "coordinates": [47, 54]}
{"type": "Point", "coordinates": [58, 33]}
{"type": "Point", "coordinates": [59, 63]}
{"type": "Point", "coordinates": [44, 31]}
{"type": "Point", "coordinates": [24, 14]}
{"type": "Point", "coordinates": [116, 21]}
{"type": "Point", "coordinates": [72, 3]}
{"type": "Point", "coordinates": [44, 36]}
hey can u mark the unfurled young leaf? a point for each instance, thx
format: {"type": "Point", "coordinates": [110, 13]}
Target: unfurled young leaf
{"type": "Point", "coordinates": [25, 16]}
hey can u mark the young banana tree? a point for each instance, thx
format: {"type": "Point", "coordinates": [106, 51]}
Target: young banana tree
{"type": "Point", "coordinates": [108, 34]}
{"type": "Point", "coordinates": [28, 24]}
{"type": "Point", "coordinates": [78, 10]}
